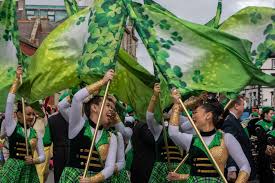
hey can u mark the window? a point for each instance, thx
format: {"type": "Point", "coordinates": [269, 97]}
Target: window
{"type": "Point", "coordinates": [51, 18]}
{"type": "Point", "coordinates": [31, 17]}
{"type": "Point", "coordinates": [273, 63]}
{"type": "Point", "coordinates": [51, 13]}
{"type": "Point", "coordinates": [29, 12]}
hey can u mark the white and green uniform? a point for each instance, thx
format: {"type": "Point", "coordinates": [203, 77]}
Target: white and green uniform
{"type": "Point", "coordinates": [15, 169]}
{"type": "Point", "coordinates": [198, 156]}
{"type": "Point", "coordinates": [82, 130]}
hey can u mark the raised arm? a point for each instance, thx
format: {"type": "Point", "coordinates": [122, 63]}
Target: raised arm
{"type": "Point", "coordinates": [153, 126]}
{"type": "Point", "coordinates": [236, 152]}
{"type": "Point", "coordinates": [181, 139]}
{"type": "Point", "coordinates": [76, 121]}
{"type": "Point", "coordinates": [126, 132]}
{"type": "Point", "coordinates": [9, 122]}
{"type": "Point", "coordinates": [64, 107]}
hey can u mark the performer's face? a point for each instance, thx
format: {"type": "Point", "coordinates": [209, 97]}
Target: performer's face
{"type": "Point", "coordinates": [29, 116]}
{"type": "Point", "coordinates": [107, 114]}
{"type": "Point", "coordinates": [201, 117]}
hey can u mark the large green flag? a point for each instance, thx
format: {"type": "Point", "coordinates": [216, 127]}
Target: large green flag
{"type": "Point", "coordinates": [92, 36]}
{"type": "Point", "coordinates": [133, 85]}
{"type": "Point", "coordinates": [256, 24]}
{"type": "Point", "coordinates": [195, 57]}
{"type": "Point", "coordinates": [10, 54]}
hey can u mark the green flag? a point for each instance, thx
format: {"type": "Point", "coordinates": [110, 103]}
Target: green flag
{"type": "Point", "coordinates": [71, 7]}
{"type": "Point", "coordinates": [256, 24]}
{"type": "Point", "coordinates": [10, 54]}
{"type": "Point", "coordinates": [133, 85]}
{"type": "Point", "coordinates": [195, 57]}
{"type": "Point", "coordinates": [91, 37]}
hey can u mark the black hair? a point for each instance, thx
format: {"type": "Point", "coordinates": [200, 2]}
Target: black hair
{"type": "Point", "coordinates": [87, 106]}
{"type": "Point", "coordinates": [19, 106]}
{"type": "Point", "coordinates": [213, 106]}
{"type": "Point", "coordinates": [265, 112]}
{"type": "Point", "coordinates": [94, 100]}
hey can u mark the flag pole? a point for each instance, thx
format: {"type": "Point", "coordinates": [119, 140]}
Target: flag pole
{"type": "Point", "coordinates": [165, 135]}
{"type": "Point", "coordinates": [24, 121]}
{"type": "Point", "coordinates": [96, 130]}
{"type": "Point", "coordinates": [228, 104]}
{"type": "Point", "coordinates": [181, 163]}
{"type": "Point", "coordinates": [203, 143]}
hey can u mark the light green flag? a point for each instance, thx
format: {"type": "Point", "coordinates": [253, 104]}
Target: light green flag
{"type": "Point", "coordinates": [195, 57]}
{"type": "Point", "coordinates": [256, 24]}
{"type": "Point", "coordinates": [10, 54]}
{"type": "Point", "coordinates": [92, 37]}
{"type": "Point", "coordinates": [71, 7]}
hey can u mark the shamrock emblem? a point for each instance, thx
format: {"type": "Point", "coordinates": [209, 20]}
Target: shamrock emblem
{"type": "Point", "coordinates": [268, 29]}
{"type": "Point", "coordinates": [176, 37]}
{"type": "Point", "coordinates": [197, 77]}
{"type": "Point", "coordinates": [80, 20]}
{"type": "Point", "coordinates": [255, 17]}
{"type": "Point", "coordinates": [166, 43]}
{"type": "Point", "coordinates": [164, 25]}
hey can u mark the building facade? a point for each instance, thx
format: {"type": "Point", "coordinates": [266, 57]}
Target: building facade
{"type": "Point", "coordinates": [262, 95]}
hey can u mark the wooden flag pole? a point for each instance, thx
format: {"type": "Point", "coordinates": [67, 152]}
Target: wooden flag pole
{"type": "Point", "coordinates": [24, 121]}
{"type": "Point", "coordinates": [181, 163]}
{"type": "Point", "coordinates": [165, 136]}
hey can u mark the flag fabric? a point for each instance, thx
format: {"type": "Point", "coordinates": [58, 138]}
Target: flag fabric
{"type": "Point", "coordinates": [214, 22]}
{"type": "Point", "coordinates": [10, 54]}
{"type": "Point", "coordinates": [256, 24]}
{"type": "Point", "coordinates": [133, 85]}
{"type": "Point", "coordinates": [192, 56]}
{"type": "Point", "coordinates": [71, 7]}
{"type": "Point", "coordinates": [80, 49]}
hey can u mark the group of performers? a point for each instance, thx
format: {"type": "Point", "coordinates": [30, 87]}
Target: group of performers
{"type": "Point", "coordinates": [158, 151]}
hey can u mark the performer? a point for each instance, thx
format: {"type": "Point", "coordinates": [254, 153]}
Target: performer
{"type": "Point", "coordinates": [81, 129]}
{"type": "Point", "coordinates": [120, 173]}
{"type": "Point", "coordinates": [262, 128]}
{"type": "Point", "coordinates": [41, 126]}
{"type": "Point", "coordinates": [19, 167]}
{"type": "Point", "coordinates": [163, 165]}
{"type": "Point", "coordinates": [221, 145]}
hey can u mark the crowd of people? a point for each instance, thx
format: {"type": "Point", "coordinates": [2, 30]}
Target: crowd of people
{"type": "Point", "coordinates": [127, 149]}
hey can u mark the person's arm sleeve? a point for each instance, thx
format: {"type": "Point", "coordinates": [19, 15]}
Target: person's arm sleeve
{"type": "Point", "coordinates": [9, 122]}
{"type": "Point", "coordinates": [120, 163]}
{"type": "Point", "coordinates": [76, 121]}
{"type": "Point", "coordinates": [181, 139]}
{"type": "Point", "coordinates": [63, 107]}
{"type": "Point", "coordinates": [153, 126]}
{"type": "Point", "coordinates": [109, 164]}
{"type": "Point", "coordinates": [40, 150]}
{"type": "Point", "coordinates": [237, 154]}
{"type": "Point", "coordinates": [125, 131]}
